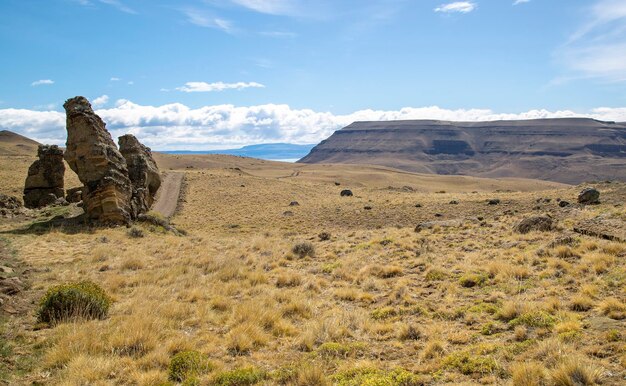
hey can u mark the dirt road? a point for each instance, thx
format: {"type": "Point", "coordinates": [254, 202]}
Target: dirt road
{"type": "Point", "coordinates": [167, 196]}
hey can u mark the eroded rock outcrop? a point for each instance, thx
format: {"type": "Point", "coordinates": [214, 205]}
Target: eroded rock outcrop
{"type": "Point", "coordinates": [142, 171]}
{"type": "Point", "coordinates": [93, 156]}
{"type": "Point", "coordinates": [44, 183]}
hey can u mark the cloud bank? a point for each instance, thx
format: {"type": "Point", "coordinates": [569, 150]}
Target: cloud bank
{"type": "Point", "coordinates": [217, 86]}
{"type": "Point", "coordinates": [179, 127]}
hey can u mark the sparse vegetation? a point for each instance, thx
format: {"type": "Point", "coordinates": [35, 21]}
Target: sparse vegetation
{"type": "Point", "coordinates": [377, 305]}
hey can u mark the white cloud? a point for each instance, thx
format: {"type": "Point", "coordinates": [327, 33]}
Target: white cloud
{"type": "Point", "coordinates": [42, 82]}
{"type": "Point", "coordinates": [130, 83]}
{"type": "Point", "coordinates": [217, 86]}
{"type": "Point", "coordinates": [517, 2]}
{"type": "Point", "coordinates": [204, 19]}
{"type": "Point", "coordinates": [597, 49]}
{"type": "Point", "coordinates": [271, 7]}
{"type": "Point", "coordinates": [119, 5]}
{"type": "Point", "coordinates": [100, 101]}
{"type": "Point", "coordinates": [457, 6]}
{"type": "Point", "coordinates": [176, 126]}
{"type": "Point", "coordinates": [114, 3]}
{"type": "Point", "coordinates": [115, 79]}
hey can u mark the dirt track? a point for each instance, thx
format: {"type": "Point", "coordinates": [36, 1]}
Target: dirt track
{"type": "Point", "coordinates": [167, 196]}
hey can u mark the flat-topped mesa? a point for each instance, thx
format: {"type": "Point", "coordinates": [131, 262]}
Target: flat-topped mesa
{"type": "Point", "coordinates": [92, 154]}
{"type": "Point", "coordinates": [142, 171]}
{"type": "Point", "coordinates": [569, 150]}
{"type": "Point", "coordinates": [44, 183]}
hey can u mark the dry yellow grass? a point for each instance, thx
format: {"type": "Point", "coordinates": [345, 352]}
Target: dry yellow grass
{"type": "Point", "coordinates": [375, 300]}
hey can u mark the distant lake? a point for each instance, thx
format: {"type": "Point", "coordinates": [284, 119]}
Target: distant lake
{"type": "Point", "coordinates": [283, 152]}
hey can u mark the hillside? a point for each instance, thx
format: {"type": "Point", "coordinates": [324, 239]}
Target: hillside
{"type": "Point", "coordinates": [15, 144]}
{"type": "Point", "coordinates": [565, 150]}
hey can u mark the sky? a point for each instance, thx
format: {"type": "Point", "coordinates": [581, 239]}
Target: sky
{"type": "Point", "coordinates": [211, 74]}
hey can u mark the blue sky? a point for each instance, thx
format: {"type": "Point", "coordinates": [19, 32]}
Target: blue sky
{"type": "Point", "coordinates": [209, 74]}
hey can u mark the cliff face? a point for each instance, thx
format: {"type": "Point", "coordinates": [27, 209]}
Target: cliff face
{"type": "Point", "coordinates": [569, 150]}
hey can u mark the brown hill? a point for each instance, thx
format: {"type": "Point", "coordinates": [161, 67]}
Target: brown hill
{"type": "Point", "coordinates": [14, 144]}
{"type": "Point", "coordinates": [569, 150]}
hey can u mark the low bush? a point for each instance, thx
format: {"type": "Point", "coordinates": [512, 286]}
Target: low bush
{"type": "Point", "coordinates": [372, 376]}
{"type": "Point", "coordinates": [135, 233]}
{"type": "Point", "coordinates": [324, 236]}
{"type": "Point", "coordinates": [188, 365]}
{"type": "Point", "coordinates": [240, 377]}
{"type": "Point", "coordinates": [304, 249]}
{"type": "Point", "coordinates": [80, 300]}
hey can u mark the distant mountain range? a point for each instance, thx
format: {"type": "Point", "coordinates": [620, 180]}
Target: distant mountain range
{"type": "Point", "coordinates": [268, 151]}
{"type": "Point", "coordinates": [570, 150]}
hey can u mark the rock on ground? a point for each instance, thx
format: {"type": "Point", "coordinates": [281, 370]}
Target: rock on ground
{"type": "Point", "coordinates": [589, 196]}
{"type": "Point", "coordinates": [535, 223]}
{"type": "Point", "coordinates": [93, 156]}
{"type": "Point", "coordinates": [44, 183]}
{"type": "Point", "coordinates": [604, 228]}
{"type": "Point", "coordinates": [142, 171]}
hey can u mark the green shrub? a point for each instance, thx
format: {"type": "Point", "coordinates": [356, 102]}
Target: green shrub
{"type": "Point", "coordinates": [534, 319]}
{"type": "Point", "coordinates": [304, 249]}
{"type": "Point", "coordinates": [80, 300]}
{"type": "Point", "coordinates": [471, 363]}
{"type": "Point", "coordinates": [384, 313]}
{"type": "Point", "coordinates": [186, 366]}
{"type": "Point", "coordinates": [435, 274]}
{"type": "Point", "coordinates": [470, 280]}
{"type": "Point", "coordinates": [240, 377]}
{"type": "Point", "coordinates": [367, 376]}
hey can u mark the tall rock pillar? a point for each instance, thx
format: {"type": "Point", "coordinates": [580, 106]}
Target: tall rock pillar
{"type": "Point", "coordinates": [93, 156]}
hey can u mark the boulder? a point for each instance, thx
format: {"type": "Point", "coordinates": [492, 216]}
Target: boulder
{"type": "Point", "coordinates": [93, 156]}
{"type": "Point", "coordinates": [493, 201]}
{"type": "Point", "coordinates": [346, 193]}
{"type": "Point", "coordinates": [535, 223]}
{"type": "Point", "coordinates": [143, 173]}
{"type": "Point", "coordinates": [44, 183]}
{"type": "Point", "coordinates": [589, 196]}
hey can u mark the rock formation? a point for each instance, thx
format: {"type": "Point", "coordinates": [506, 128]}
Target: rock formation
{"type": "Point", "coordinates": [44, 183]}
{"type": "Point", "coordinates": [92, 154]}
{"type": "Point", "coordinates": [142, 171]}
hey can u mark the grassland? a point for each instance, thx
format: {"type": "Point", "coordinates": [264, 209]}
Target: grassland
{"type": "Point", "coordinates": [464, 302]}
